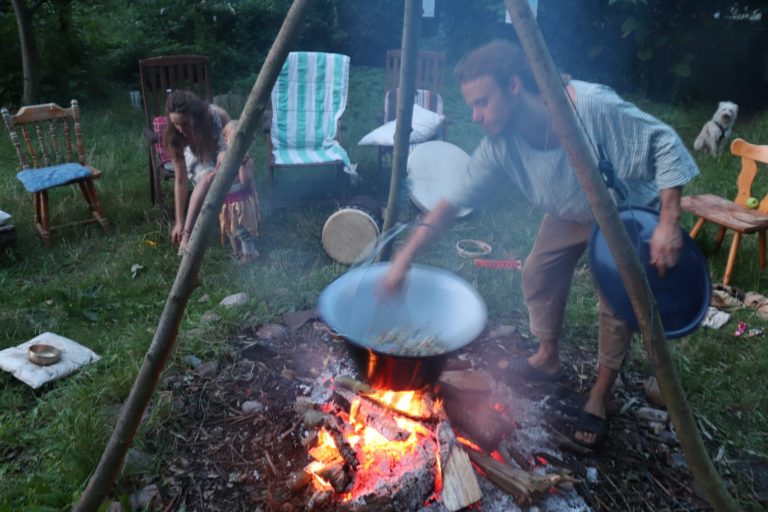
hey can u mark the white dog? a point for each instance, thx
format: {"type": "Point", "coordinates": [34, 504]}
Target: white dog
{"type": "Point", "coordinates": [717, 130]}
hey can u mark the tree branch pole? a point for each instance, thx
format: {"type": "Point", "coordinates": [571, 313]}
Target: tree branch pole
{"type": "Point", "coordinates": [405, 95]}
{"type": "Point", "coordinates": [108, 469]}
{"type": "Point", "coordinates": [585, 166]}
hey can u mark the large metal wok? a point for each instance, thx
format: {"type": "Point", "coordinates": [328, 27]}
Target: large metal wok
{"type": "Point", "coordinates": [434, 303]}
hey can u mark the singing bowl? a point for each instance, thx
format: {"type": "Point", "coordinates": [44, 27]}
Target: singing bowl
{"type": "Point", "coordinates": [43, 355]}
{"type": "Point", "coordinates": [682, 295]}
{"type": "Point", "coordinates": [434, 302]}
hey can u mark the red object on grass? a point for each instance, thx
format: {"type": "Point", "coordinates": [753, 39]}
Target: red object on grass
{"type": "Point", "coordinates": [509, 264]}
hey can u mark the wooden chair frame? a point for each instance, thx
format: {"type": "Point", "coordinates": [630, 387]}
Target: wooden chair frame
{"type": "Point", "coordinates": [48, 131]}
{"type": "Point", "coordinates": [159, 76]}
{"type": "Point", "coordinates": [430, 76]}
{"type": "Point", "coordinates": [735, 215]}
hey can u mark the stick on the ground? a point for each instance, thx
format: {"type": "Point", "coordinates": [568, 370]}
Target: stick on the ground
{"type": "Point", "coordinates": [104, 477]}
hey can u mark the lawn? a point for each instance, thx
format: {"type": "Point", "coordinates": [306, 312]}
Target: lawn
{"type": "Point", "coordinates": [83, 287]}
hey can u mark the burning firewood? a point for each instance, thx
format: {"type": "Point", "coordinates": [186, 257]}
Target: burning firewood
{"type": "Point", "coordinates": [336, 475]}
{"type": "Point", "coordinates": [370, 413]}
{"type": "Point", "coordinates": [525, 487]}
{"type": "Point", "coordinates": [400, 402]}
{"type": "Point", "coordinates": [335, 428]}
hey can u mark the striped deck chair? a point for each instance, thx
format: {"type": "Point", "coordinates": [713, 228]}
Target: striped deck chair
{"type": "Point", "coordinates": [307, 103]}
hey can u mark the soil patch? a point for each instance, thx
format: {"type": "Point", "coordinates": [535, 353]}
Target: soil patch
{"type": "Point", "coordinates": [238, 437]}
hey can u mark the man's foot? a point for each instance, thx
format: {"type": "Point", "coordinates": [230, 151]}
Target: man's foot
{"type": "Point", "coordinates": [520, 368]}
{"type": "Point", "coordinates": [590, 430]}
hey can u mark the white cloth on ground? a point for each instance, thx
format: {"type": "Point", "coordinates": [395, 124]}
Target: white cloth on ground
{"type": "Point", "coordinates": [73, 356]}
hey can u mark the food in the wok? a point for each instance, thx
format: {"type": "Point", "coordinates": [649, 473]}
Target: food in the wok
{"type": "Point", "coordinates": [408, 343]}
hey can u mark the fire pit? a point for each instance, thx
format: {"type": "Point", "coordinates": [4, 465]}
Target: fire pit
{"type": "Point", "coordinates": [397, 450]}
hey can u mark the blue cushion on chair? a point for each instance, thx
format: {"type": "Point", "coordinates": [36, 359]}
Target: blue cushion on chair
{"type": "Point", "coordinates": [35, 180]}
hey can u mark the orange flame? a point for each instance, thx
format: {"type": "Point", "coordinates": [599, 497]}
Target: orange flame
{"type": "Point", "coordinates": [376, 454]}
{"type": "Point", "coordinates": [467, 442]}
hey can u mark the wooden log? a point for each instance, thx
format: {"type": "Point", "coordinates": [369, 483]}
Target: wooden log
{"type": "Point", "coordinates": [429, 410]}
{"type": "Point", "coordinates": [460, 486]}
{"type": "Point", "coordinates": [476, 418]}
{"type": "Point", "coordinates": [467, 381]}
{"type": "Point", "coordinates": [298, 480]}
{"type": "Point", "coordinates": [352, 384]}
{"type": "Point", "coordinates": [525, 487]}
{"type": "Point", "coordinates": [372, 415]}
{"type": "Point", "coordinates": [337, 475]}
{"type": "Point", "coordinates": [335, 428]}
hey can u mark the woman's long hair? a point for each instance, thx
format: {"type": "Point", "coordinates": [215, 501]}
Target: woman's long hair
{"type": "Point", "coordinates": [200, 138]}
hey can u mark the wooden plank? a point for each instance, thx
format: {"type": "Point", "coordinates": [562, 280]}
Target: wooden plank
{"type": "Point", "coordinates": [725, 213]}
{"type": "Point", "coordinates": [460, 486]}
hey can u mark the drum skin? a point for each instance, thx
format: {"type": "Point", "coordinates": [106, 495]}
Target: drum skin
{"type": "Point", "coordinates": [436, 170]}
{"type": "Point", "coordinates": [352, 229]}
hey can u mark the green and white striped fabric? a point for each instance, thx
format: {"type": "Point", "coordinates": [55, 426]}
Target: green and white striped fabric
{"type": "Point", "coordinates": [307, 102]}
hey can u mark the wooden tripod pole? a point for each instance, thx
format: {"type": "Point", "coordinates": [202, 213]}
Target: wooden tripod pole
{"type": "Point", "coordinates": [406, 93]}
{"type": "Point", "coordinates": [585, 166]}
{"type": "Point", "coordinates": [108, 469]}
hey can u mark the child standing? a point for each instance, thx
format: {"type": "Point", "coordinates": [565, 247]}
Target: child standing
{"type": "Point", "coordinates": [239, 217]}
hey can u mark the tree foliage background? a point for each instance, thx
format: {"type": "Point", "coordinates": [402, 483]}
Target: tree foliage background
{"type": "Point", "coordinates": [683, 50]}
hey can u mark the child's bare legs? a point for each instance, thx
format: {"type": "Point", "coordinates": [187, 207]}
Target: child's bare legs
{"type": "Point", "coordinates": [247, 246]}
{"type": "Point", "coordinates": [235, 244]}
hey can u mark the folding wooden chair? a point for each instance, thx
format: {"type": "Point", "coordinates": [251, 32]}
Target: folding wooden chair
{"type": "Point", "coordinates": [159, 76]}
{"type": "Point", "coordinates": [430, 80]}
{"type": "Point", "coordinates": [52, 154]}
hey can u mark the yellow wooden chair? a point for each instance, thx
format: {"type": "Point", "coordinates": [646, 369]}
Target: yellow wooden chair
{"type": "Point", "coordinates": [52, 154]}
{"type": "Point", "coordinates": [735, 215]}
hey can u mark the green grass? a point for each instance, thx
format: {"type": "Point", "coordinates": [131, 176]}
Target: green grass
{"type": "Point", "coordinates": [82, 287]}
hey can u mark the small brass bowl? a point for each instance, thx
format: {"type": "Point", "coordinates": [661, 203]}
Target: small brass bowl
{"type": "Point", "coordinates": [44, 355]}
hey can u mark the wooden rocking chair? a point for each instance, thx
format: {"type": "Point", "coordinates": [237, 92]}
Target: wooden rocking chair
{"type": "Point", "coordinates": [51, 155]}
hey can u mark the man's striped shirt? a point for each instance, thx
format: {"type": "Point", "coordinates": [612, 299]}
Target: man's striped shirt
{"type": "Point", "coordinates": [647, 155]}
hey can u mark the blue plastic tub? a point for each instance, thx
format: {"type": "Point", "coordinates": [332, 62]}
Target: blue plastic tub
{"type": "Point", "coordinates": [683, 294]}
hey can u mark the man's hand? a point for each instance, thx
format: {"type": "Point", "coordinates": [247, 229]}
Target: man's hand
{"type": "Point", "coordinates": [441, 216]}
{"type": "Point", "coordinates": [393, 282]}
{"type": "Point", "coordinates": [667, 239]}
{"type": "Point", "coordinates": [666, 244]}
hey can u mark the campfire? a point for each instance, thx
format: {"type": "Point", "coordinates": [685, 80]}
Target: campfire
{"type": "Point", "coordinates": [398, 450]}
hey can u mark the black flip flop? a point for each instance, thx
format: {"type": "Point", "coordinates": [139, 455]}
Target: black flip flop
{"type": "Point", "coordinates": [520, 368]}
{"type": "Point", "coordinates": [593, 424]}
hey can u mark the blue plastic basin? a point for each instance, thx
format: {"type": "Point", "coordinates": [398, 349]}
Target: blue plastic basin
{"type": "Point", "coordinates": [683, 294]}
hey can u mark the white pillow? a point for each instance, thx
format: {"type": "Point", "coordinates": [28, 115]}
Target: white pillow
{"type": "Point", "coordinates": [425, 126]}
{"type": "Point", "coordinates": [73, 356]}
